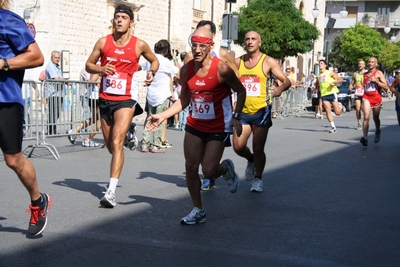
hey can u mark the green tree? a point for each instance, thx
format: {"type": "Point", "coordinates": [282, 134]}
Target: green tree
{"type": "Point", "coordinates": [336, 57]}
{"type": "Point", "coordinates": [283, 29]}
{"type": "Point", "coordinates": [390, 57]}
{"type": "Point", "coordinates": [361, 42]}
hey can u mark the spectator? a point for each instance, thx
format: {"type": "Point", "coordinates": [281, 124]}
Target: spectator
{"type": "Point", "coordinates": [54, 91]}
{"type": "Point", "coordinates": [158, 95]}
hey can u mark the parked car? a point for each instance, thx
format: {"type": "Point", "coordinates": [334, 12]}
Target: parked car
{"type": "Point", "coordinates": [346, 96]}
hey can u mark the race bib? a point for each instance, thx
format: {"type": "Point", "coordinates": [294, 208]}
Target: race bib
{"type": "Point", "coordinates": [115, 84]}
{"type": "Point", "coordinates": [252, 85]}
{"type": "Point", "coordinates": [359, 91]}
{"type": "Point", "coordinates": [322, 79]}
{"type": "Point", "coordinates": [203, 107]}
{"type": "Point", "coordinates": [370, 87]}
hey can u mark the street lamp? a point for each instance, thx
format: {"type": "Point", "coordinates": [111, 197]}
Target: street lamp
{"type": "Point", "coordinates": [387, 28]}
{"type": "Point", "coordinates": [394, 37]}
{"type": "Point", "coordinates": [315, 14]}
{"type": "Point", "coordinates": [343, 13]}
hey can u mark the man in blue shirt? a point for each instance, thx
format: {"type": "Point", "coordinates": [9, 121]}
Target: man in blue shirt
{"type": "Point", "coordinates": [18, 51]}
{"type": "Point", "coordinates": [54, 90]}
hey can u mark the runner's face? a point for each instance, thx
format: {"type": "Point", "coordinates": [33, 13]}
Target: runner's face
{"type": "Point", "coordinates": [371, 63]}
{"type": "Point", "coordinates": [322, 65]}
{"type": "Point", "coordinates": [122, 22]}
{"type": "Point", "coordinates": [252, 42]}
{"type": "Point", "coordinates": [200, 51]}
{"type": "Point", "coordinates": [361, 65]}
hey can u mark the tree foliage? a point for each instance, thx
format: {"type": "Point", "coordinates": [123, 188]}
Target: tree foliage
{"type": "Point", "coordinates": [361, 42]}
{"type": "Point", "coordinates": [390, 57]}
{"type": "Point", "coordinates": [336, 56]}
{"type": "Point", "coordinates": [283, 29]}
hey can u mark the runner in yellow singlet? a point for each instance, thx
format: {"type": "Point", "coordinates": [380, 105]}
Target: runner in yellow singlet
{"type": "Point", "coordinates": [255, 69]}
{"type": "Point", "coordinates": [326, 82]}
{"type": "Point", "coordinates": [357, 83]}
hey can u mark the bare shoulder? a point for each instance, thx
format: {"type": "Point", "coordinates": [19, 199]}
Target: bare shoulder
{"type": "Point", "coordinates": [141, 43]}
{"type": "Point", "coordinates": [224, 70]}
{"type": "Point", "coordinates": [225, 55]}
{"type": "Point", "coordinates": [101, 41]}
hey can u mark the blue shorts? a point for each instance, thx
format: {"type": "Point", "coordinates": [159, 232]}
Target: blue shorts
{"type": "Point", "coordinates": [261, 118]}
{"type": "Point", "coordinates": [330, 98]}
{"type": "Point", "coordinates": [207, 137]}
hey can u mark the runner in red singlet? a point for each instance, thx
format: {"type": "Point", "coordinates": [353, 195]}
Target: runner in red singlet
{"type": "Point", "coordinates": [206, 85]}
{"type": "Point", "coordinates": [119, 54]}
{"type": "Point", "coordinates": [374, 80]}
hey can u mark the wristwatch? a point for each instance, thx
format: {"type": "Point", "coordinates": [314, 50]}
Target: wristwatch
{"type": "Point", "coordinates": [237, 116]}
{"type": "Point", "coordinates": [6, 67]}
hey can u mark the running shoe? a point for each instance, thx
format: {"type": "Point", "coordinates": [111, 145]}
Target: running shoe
{"type": "Point", "coordinates": [250, 171]}
{"type": "Point", "coordinates": [195, 216]}
{"type": "Point", "coordinates": [359, 127]}
{"type": "Point", "coordinates": [155, 149]}
{"type": "Point", "coordinates": [89, 143]}
{"type": "Point", "coordinates": [377, 136]}
{"type": "Point", "coordinates": [231, 176]}
{"type": "Point", "coordinates": [38, 220]}
{"type": "Point", "coordinates": [364, 141]}
{"type": "Point", "coordinates": [166, 144]}
{"type": "Point", "coordinates": [108, 200]}
{"type": "Point", "coordinates": [257, 185]}
{"type": "Point", "coordinates": [144, 149]}
{"type": "Point", "coordinates": [343, 108]}
{"type": "Point", "coordinates": [207, 184]}
{"type": "Point", "coordinates": [333, 130]}
{"type": "Point", "coordinates": [72, 136]}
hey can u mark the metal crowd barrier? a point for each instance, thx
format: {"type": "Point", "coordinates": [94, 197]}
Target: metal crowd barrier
{"type": "Point", "coordinates": [52, 108]}
{"type": "Point", "coordinates": [290, 103]}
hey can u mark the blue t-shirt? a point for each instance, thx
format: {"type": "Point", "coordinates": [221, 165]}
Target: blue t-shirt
{"type": "Point", "coordinates": [14, 39]}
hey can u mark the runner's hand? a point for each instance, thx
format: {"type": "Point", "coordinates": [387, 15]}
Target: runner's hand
{"type": "Point", "coordinates": [153, 122]}
{"type": "Point", "coordinates": [237, 125]}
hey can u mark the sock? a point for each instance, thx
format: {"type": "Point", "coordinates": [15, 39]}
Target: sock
{"type": "Point", "coordinates": [113, 184]}
{"type": "Point", "coordinates": [37, 202]}
{"type": "Point", "coordinates": [333, 124]}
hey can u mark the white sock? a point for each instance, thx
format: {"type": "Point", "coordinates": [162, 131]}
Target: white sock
{"type": "Point", "coordinates": [333, 124]}
{"type": "Point", "coordinates": [113, 184]}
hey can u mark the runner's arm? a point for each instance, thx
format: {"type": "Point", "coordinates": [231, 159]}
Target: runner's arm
{"type": "Point", "coordinates": [278, 73]}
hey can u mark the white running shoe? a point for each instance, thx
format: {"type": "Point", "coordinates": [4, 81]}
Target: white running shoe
{"type": "Point", "coordinates": [108, 200]}
{"type": "Point", "coordinates": [195, 216]}
{"type": "Point", "coordinates": [89, 143]}
{"type": "Point", "coordinates": [257, 185]}
{"type": "Point", "coordinates": [250, 171]}
{"type": "Point", "coordinates": [231, 176]}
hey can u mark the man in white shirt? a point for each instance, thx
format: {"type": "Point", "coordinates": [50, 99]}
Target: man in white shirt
{"type": "Point", "coordinates": [159, 94]}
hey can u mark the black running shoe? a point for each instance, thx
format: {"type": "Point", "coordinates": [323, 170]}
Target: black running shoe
{"type": "Point", "coordinates": [364, 141]}
{"type": "Point", "coordinates": [38, 220]}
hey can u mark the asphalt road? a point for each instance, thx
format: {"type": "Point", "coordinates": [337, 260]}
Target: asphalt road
{"type": "Point", "coordinates": [327, 201]}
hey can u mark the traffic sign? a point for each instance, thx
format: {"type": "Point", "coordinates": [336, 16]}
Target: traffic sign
{"type": "Point", "coordinates": [32, 29]}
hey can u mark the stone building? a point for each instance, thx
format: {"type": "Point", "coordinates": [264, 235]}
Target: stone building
{"type": "Point", "coordinates": [73, 26]}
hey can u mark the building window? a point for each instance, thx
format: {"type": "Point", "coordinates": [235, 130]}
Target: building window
{"type": "Point", "coordinates": [197, 4]}
{"type": "Point", "coordinates": [383, 15]}
{"type": "Point", "coordinates": [353, 11]}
